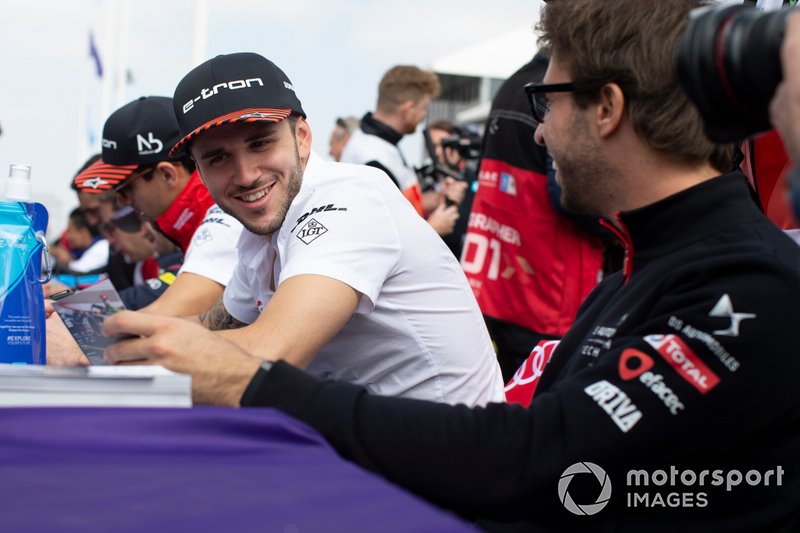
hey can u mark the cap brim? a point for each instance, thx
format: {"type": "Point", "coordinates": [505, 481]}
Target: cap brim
{"type": "Point", "coordinates": [101, 177]}
{"type": "Point", "coordinates": [243, 115]}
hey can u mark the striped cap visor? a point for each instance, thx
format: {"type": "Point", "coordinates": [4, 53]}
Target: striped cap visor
{"type": "Point", "coordinates": [244, 115]}
{"type": "Point", "coordinates": [101, 177]}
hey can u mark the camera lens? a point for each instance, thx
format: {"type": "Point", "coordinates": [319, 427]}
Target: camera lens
{"type": "Point", "coordinates": [728, 63]}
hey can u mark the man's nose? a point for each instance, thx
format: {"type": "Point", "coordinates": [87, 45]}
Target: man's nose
{"type": "Point", "coordinates": [538, 135]}
{"type": "Point", "coordinates": [246, 171]}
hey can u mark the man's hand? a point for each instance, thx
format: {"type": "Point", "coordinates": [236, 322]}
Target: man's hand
{"type": "Point", "coordinates": [52, 287]}
{"type": "Point", "coordinates": [454, 190]}
{"type": "Point", "coordinates": [62, 350]}
{"type": "Point", "coordinates": [220, 370]}
{"type": "Point", "coordinates": [785, 106]}
{"type": "Point", "coordinates": [443, 219]}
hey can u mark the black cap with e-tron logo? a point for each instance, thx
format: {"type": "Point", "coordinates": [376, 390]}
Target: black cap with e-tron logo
{"type": "Point", "coordinates": [241, 87]}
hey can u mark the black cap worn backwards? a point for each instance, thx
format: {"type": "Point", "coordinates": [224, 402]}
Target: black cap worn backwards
{"type": "Point", "coordinates": [137, 134]}
{"type": "Point", "coordinates": [242, 87]}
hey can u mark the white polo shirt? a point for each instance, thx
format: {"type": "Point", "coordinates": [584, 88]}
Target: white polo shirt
{"type": "Point", "coordinates": [417, 331]}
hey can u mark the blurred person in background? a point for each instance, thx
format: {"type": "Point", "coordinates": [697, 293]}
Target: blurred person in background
{"type": "Point", "coordinates": [446, 187]}
{"type": "Point", "coordinates": [404, 94]}
{"type": "Point", "coordinates": [88, 250]}
{"type": "Point", "coordinates": [340, 135]}
{"type": "Point", "coordinates": [156, 260]}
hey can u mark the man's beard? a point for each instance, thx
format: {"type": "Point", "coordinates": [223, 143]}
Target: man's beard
{"type": "Point", "coordinates": [295, 180]}
{"type": "Point", "coordinates": [585, 177]}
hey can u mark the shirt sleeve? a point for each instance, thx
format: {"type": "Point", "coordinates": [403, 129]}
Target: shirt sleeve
{"type": "Point", "coordinates": [212, 252]}
{"type": "Point", "coordinates": [238, 298]}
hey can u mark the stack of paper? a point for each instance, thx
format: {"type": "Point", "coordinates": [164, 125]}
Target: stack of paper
{"type": "Point", "coordinates": [95, 386]}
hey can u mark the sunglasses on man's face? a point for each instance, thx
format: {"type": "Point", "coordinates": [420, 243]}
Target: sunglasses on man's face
{"type": "Point", "coordinates": [539, 95]}
{"type": "Point", "coordinates": [124, 188]}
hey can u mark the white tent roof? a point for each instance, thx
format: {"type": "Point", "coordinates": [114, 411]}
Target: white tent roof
{"type": "Point", "coordinates": [495, 58]}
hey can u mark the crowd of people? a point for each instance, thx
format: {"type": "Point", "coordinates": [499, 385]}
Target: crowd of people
{"type": "Point", "coordinates": [614, 295]}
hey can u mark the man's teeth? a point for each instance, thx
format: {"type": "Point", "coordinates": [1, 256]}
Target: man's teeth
{"type": "Point", "coordinates": [255, 196]}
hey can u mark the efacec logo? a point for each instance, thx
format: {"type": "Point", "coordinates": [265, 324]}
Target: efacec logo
{"type": "Point", "coordinates": [644, 488]}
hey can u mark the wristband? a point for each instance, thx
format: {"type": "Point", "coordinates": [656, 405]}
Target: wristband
{"type": "Point", "coordinates": [248, 397]}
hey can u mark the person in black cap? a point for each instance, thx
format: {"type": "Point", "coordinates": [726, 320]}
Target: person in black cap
{"type": "Point", "coordinates": [336, 273]}
{"type": "Point", "coordinates": [166, 189]}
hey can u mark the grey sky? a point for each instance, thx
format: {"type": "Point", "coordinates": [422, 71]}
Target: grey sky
{"type": "Point", "coordinates": [333, 51]}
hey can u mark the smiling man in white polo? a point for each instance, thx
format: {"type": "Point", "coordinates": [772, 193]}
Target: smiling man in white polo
{"type": "Point", "coordinates": [337, 273]}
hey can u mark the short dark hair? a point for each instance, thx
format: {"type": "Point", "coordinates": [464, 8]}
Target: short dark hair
{"type": "Point", "coordinates": [78, 219]}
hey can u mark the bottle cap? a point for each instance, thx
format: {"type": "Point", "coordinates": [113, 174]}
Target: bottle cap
{"type": "Point", "coordinates": [18, 186]}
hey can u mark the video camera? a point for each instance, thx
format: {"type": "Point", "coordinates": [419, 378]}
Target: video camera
{"type": "Point", "coordinates": [729, 65]}
{"type": "Point", "coordinates": [465, 142]}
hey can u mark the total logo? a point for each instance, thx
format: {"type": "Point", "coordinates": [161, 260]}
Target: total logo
{"type": "Point", "coordinates": [690, 367]}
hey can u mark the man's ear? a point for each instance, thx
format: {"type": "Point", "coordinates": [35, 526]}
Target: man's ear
{"type": "Point", "coordinates": [611, 109]}
{"type": "Point", "coordinates": [302, 134]}
{"type": "Point", "coordinates": [404, 108]}
{"type": "Point", "coordinates": [168, 173]}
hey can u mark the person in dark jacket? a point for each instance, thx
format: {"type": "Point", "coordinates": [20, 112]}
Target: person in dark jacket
{"type": "Point", "coordinates": [671, 404]}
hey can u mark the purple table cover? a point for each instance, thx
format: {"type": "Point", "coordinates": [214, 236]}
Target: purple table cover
{"type": "Point", "coordinates": [200, 469]}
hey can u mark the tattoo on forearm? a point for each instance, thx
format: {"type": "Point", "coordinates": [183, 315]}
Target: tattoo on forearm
{"type": "Point", "coordinates": [217, 318]}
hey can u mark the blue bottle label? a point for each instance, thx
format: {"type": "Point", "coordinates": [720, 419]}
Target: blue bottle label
{"type": "Point", "coordinates": [22, 327]}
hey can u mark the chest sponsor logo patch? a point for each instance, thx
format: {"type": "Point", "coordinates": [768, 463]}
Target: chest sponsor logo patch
{"type": "Point", "coordinates": [508, 184]}
{"type": "Point", "coordinates": [94, 183]}
{"type": "Point", "coordinates": [684, 361]}
{"type": "Point", "coordinates": [724, 309]}
{"type": "Point", "coordinates": [635, 364]}
{"type": "Point", "coordinates": [320, 209]}
{"type": "Point", "coordinates": [311, 231]}
{"type": "Point", "coordinates": [619, 407]}
{"type": "Point", "coordinates": [203, 236]}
